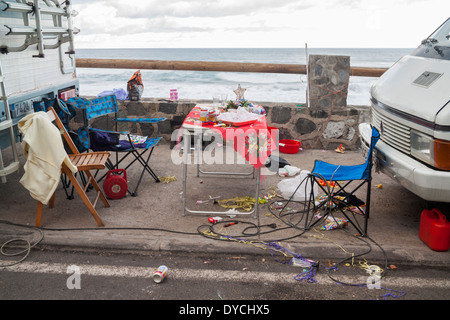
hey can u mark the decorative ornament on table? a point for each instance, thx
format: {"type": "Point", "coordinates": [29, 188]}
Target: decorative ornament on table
{"type": "Point", "coordinates": [239, 103]}
{"type": "Point", "coordinates": [239, 93]}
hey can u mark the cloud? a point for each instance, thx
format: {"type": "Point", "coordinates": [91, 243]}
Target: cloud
{"type": "Point", "coordinates": [196, 8]}
{"type": "Point", "coordinates": [260, 23]}
{"type": "Point", "coordinates": [116, 17]}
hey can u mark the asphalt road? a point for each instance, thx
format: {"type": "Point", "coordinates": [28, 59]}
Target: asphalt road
{"type": "Point", "coordinates": [207, 278]}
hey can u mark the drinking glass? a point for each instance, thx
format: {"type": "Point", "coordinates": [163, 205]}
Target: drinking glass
{"type": "Point", "coordinates": [216, 102]}
{"type": "Point", "coordinates": [223, 100]}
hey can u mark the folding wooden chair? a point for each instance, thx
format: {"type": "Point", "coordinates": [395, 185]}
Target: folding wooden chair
{"type": "Point", "coordinates": [84, 163]}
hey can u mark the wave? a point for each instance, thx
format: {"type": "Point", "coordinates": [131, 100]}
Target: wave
{"type": "Point", "coordinates": [206, 84]}
{"type": "Point", "coordinates": [198, 85]}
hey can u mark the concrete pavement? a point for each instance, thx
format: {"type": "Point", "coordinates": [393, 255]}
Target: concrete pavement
{"type": "Point", "coordinates": [153, 220]}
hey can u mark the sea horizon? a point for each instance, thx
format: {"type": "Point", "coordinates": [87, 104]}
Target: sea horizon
{"type": "Point", "coordinates": [295, 48]}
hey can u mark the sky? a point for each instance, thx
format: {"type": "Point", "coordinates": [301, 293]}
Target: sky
{"type": "Point", "coordinates": [257, 23]}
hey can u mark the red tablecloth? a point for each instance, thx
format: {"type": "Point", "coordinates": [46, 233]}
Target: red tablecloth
{"type": "Point", "coordinates": [254, 142]}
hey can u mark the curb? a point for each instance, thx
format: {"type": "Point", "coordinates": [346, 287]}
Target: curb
{"type": "Point", "coordinates": [311, 249]}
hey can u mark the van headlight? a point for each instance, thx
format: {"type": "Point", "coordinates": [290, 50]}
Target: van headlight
{"type": "Point", "coordinates": [432, 151]}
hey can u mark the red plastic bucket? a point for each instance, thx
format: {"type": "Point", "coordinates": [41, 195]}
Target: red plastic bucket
{"type": "Point", "coordinates": [435, 230]}
{"type": "Point", "coordinates": [289, 146]}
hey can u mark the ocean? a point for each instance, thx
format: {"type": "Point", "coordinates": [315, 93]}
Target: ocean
{"type": "Point", "coordinates": [260, 87]}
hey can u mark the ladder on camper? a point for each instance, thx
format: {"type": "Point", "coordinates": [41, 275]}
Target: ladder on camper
{"type": "Point", "coordinates": [37, 32]}
{"type": "Point", "coordinates": [7, 125]}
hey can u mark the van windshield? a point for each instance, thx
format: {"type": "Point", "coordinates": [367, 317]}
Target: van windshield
{"type": "Point", "coordinates": [437, 45]}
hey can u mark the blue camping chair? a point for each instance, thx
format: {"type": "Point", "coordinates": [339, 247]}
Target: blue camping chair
{"type": "Point", "coordinates": [340, 180]}
{"type": "Point", "coordinates": [122, 143]}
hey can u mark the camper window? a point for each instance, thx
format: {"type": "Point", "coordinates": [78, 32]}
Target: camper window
{"type": "Point", "coordinates": [437, 45]}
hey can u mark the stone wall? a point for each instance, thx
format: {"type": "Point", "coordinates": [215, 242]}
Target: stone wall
{"type": "Point", "coordinates": [315, 128]}
{"type": "Point", "coordinates": [318, 129]}
{"type": "Point", "coordinates": [329, 78]}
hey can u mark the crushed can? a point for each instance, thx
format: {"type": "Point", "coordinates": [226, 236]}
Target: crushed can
{"type": "Point", "coordinates": [204, 114]}
{"type": "Point", "coordinates": [214, 220]}
{"type": "Point", "coordinates": [160, 274]}
{"type": "Point", "coordinates": [435, 230]}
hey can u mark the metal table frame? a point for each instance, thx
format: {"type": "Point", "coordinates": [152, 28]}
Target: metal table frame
{"type": "Point", "coordinates": [186, 152]}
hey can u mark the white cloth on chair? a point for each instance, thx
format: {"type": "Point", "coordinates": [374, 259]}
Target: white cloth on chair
{"type": "Point", "coordinates": [44, 150]}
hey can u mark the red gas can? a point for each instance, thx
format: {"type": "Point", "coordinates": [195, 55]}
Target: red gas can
{"type": "Point", "coordinates": [435, 230]}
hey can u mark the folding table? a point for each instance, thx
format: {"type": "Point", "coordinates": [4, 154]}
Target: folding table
{"type": "Point", "coordinates": [256, 148]}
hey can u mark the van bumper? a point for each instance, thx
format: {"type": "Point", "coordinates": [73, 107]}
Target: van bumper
{"type": "Point", "coordinates": [427, 183]}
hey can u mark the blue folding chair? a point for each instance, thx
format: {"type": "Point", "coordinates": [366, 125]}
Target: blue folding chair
{"type": "Point", "coordinates": [338, 180]}
{"type": "Point", "coordinates": [123, 144]}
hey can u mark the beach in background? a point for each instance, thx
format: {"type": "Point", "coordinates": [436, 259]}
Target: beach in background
{"type": "Point", "coordinates": [199, 85]}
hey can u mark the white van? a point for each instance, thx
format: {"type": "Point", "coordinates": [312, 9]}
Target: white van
{"type": "Point", "coordinates": [36, 61]}
{"type": "Point", "coordinates": [411, 109]}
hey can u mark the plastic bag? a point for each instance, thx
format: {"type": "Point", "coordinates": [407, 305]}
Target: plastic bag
{"type": "Point", "coordinates": [287, 187]}
{"type": "Point", "coordinates": [119, 93]}
{"type": "Point", "coordinates": [274, 163]}
{"type": "Point", "coordinates": [288, 171]}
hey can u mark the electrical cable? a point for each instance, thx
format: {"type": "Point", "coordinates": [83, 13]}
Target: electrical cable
{"type": "Point", "coordinates": [41, 230]}
{"type": "Point", "coordinates": [381, 276]}
{"type": "Point", "coordinates": [329, 198]}
{"type": "Point", "coordinates": [119, 228]}
{"type": "Point", "coordinates": [307, 275]}
{"type": "Point", "coordinates": [26, 251]}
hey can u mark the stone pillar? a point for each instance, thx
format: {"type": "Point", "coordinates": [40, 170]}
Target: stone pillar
{"type": "Point", "coordinates": [328, 82]}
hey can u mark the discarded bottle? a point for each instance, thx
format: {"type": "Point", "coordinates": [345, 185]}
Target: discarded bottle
{"type": "Point", "coordinates": [160, 274]}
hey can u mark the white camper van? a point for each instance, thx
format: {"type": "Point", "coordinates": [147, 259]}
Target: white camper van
{"type": "Point", "coordinates": [36, 61]}
{"type": "Point", "coordinates": [411, 109]}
